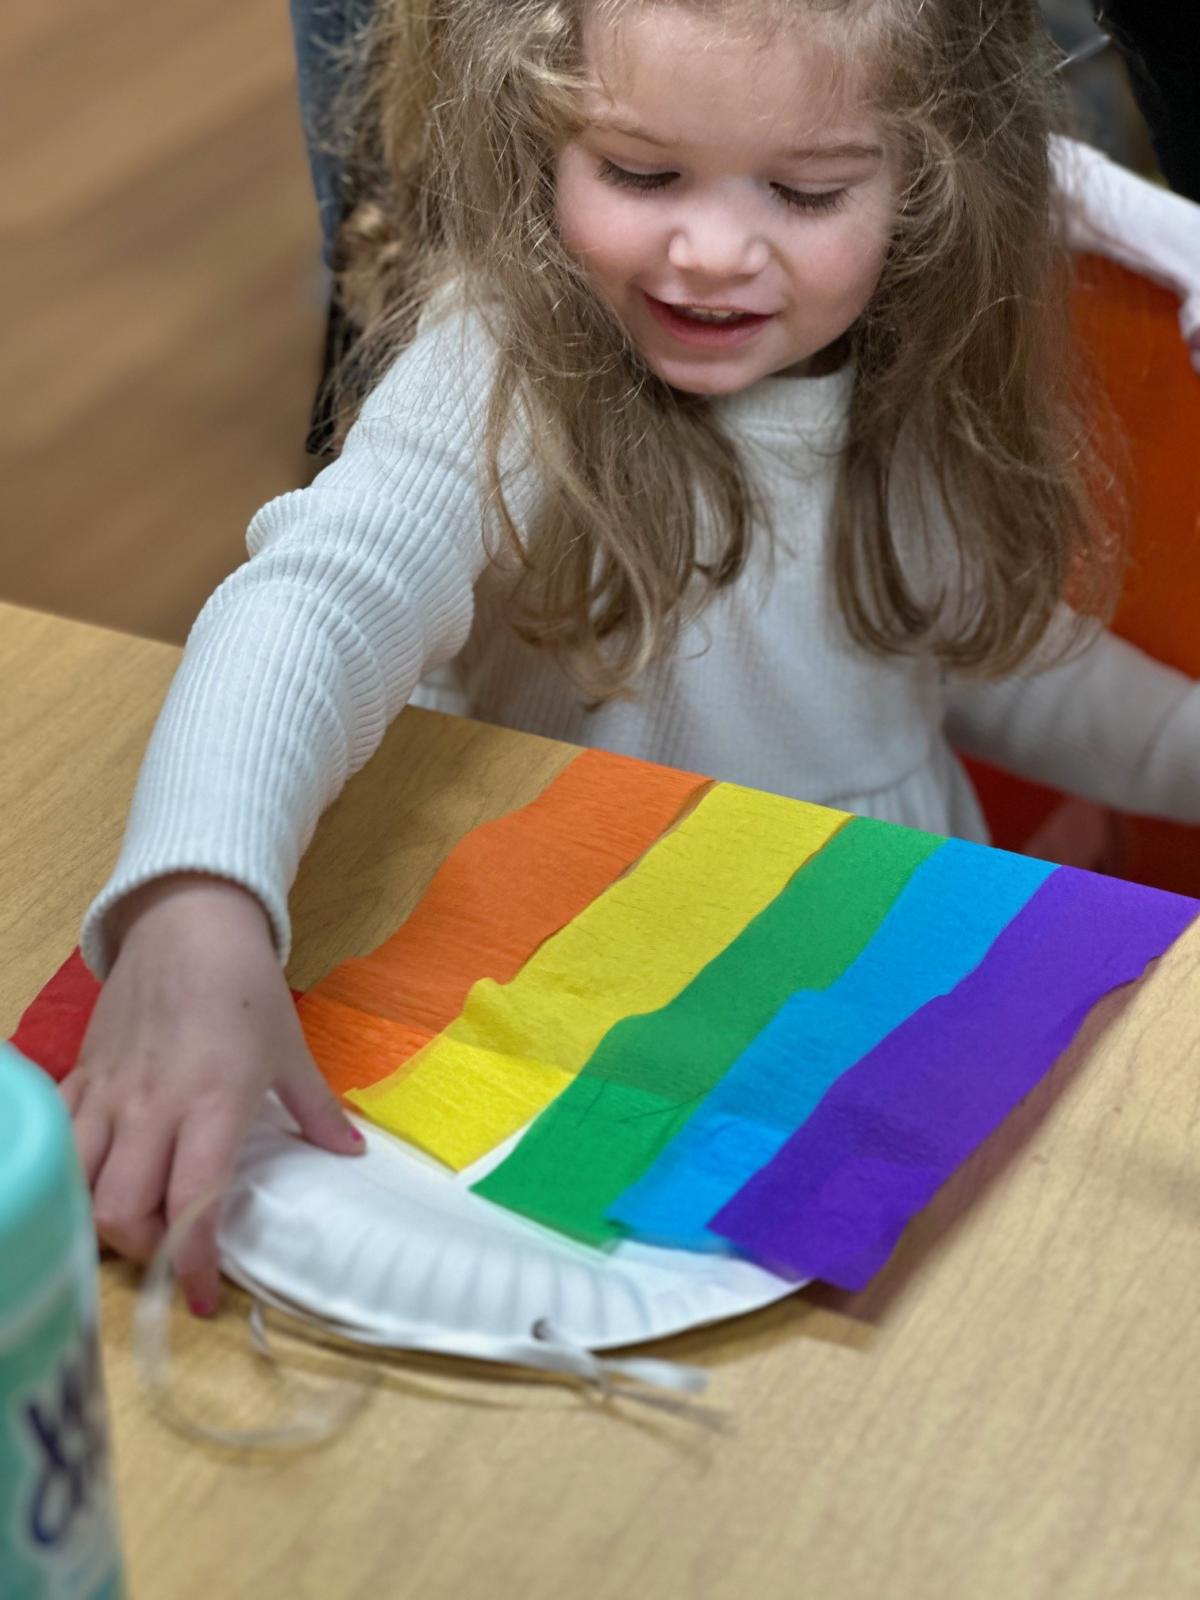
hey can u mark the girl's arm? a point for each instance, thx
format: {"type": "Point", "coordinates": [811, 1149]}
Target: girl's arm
{"type": "Point", "coordinates": [1109, 724]}
{"type": "Point", "coordinates": [1113, 212]}
{"type": "Point", "coordinates": [294, 669]}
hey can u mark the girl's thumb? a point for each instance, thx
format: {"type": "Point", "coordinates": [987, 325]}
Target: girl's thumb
{"type": "Point", "coordinates": [322, 1121]}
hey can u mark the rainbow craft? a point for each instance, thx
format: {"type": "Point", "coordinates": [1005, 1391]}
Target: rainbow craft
{"type": "Point", "coordinates": [725, 1021]}
{"type": "Point", "coordinates": [778, 1031]}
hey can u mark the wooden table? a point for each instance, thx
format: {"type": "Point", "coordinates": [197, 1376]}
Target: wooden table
{"type": "Point", "coordinates": [1011, 1411]}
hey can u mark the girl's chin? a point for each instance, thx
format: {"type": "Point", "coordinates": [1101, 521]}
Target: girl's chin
{"type": "Point", "coordinates": [731, 377]}
{"type": "Point", "coordinates": [708, 391]}
{"type": "Point", "coordinates": [719, 379]}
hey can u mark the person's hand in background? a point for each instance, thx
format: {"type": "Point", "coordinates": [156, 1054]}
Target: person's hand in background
{"type": "Point", "coordinates": [1115, 213]}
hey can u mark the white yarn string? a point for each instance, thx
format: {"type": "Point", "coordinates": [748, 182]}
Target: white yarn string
{"type": "Point", "coordinates": [319, 1417]}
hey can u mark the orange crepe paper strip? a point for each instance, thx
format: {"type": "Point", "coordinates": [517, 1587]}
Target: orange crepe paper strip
{"type": "Point", "coordinates": [504, 889]}
{"type": "Point", "coordinates": [348, 1044]}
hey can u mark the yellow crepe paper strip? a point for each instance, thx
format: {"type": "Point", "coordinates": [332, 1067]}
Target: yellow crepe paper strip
{"type": "Point", "coordinates": [516, 1046]}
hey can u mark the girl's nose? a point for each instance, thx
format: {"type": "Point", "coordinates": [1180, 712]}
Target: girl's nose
{"type": "Point", "coordinates": [717, 244]}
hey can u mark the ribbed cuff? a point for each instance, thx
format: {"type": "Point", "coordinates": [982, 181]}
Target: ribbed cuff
{"type": "Point", "coordinates": [95, 938]}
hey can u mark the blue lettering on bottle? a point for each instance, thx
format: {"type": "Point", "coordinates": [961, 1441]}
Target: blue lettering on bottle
{"type": "Point", "coordinates": [70, 1444]}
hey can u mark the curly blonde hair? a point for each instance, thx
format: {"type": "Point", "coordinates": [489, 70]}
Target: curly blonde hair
{"type": "Point", "coordinates": [962, 364]}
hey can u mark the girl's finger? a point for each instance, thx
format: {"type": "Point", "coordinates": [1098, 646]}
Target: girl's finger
{"type": "Point", "coordinates": [130, 1189]}
{"type": "Point", "coordinates": [316, 1108]}
{"type": "Point", "coordinates": [136, 1239]}
{"type": "Point", "coordinates": [71, 1090]}
{"type": "Point", "coordinates": [203, 1165]}
{"type": "Point", "coordinates": [93, 1126]}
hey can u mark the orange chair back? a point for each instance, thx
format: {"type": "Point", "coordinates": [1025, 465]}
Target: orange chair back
{"type": "Point", "coordinates": [1131, 330]}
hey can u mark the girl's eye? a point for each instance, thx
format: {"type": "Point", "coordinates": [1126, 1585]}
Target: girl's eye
{"type": "Point", "coordinates": [830, 200]}
{"type": "Point", "coordinates": [798, 199]}
{"type": "Point", "coordinates": [622, 179]}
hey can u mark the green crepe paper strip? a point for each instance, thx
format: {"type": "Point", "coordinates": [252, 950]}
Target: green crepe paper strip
{"type": "Point", "coordinates": [650, 1073]}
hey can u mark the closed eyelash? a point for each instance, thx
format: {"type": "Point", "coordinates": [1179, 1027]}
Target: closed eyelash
{"type": "Point", "coordinates": [622, 179]}
{"type": "Point", "coordinates": [830, 200]}
{"type": "Point", "coordinates": [798, 199]}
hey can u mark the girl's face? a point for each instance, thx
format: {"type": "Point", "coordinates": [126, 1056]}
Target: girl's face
{"type": "Point", "coordinates": [722, 175]}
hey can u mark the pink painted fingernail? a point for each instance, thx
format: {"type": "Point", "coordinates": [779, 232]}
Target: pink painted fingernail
{"type": "Point", "coordinates": [203, 1306]}
{"type": "Point", "coordinates": [356, 1136]}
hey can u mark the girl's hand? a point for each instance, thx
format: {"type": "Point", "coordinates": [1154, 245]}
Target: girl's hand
{"type": "Point", "coordinates": [193, 1026]}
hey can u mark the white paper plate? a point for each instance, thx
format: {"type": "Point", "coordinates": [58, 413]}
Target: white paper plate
{"type": "Point", "coordinates": [395, 1250]}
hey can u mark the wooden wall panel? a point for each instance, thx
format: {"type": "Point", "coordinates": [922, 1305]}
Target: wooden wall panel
{"type": "Point", "coordinates": [162, 300]}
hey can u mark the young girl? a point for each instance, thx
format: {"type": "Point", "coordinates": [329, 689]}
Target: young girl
{"type": "Point", "coordinates": [722, 422]}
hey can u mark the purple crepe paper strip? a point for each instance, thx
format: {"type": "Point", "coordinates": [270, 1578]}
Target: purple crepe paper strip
{"type": "Point", "coordinates": [834, 1201]}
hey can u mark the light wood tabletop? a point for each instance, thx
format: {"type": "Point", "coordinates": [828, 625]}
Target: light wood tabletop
{"type": "Point", "coordinates": [1011, 1412]}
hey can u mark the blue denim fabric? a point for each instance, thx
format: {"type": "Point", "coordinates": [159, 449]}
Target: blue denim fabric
{"type": "Point", "coordinates": [318, 28]}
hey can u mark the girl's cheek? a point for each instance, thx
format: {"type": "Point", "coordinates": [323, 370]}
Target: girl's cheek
{"type": "Point", "coordinates": [587, 209]}
{"type": "Point", "coordinates": [606, 244]}
{"type": "Point", "coordinates": [853, 261]}
{"type": "Point", "coordinates": [589, 219]}
{"type": "Point", "coordinates": [568, 206]}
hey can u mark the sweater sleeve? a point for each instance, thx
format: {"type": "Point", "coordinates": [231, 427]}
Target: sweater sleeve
{"type": "Point", "coordinates": [1112, 211]}
{"type": "Point", "coordinates": [296, 665]}
{"type": "Point", "coordinates": [1107, 723]}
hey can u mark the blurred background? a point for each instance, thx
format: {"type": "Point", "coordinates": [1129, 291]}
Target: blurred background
{"type": "Point", "coordinates": [163, 295]}
{"type": "Point", "coordinates": [163, 299]}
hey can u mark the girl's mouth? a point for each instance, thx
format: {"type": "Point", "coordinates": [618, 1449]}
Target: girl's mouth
{"type": "Point", "coordinates": [704, 328]}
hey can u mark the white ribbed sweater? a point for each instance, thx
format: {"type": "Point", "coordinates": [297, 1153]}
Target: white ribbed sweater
{"type": "Point", "coordinates": [375, 578]}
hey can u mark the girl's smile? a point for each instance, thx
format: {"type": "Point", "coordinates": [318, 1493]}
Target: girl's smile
{"type": "Point", "coordinates": [716, 328]}
{"type": "Point", "coordinates": [764, 190]}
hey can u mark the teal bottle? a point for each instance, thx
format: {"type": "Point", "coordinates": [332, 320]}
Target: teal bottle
{"type": "Point", "coordinates": [58, 1525]}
